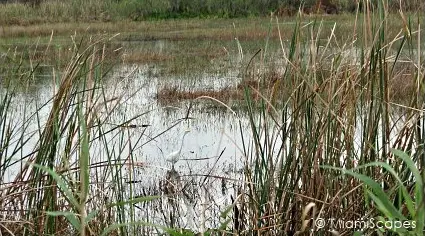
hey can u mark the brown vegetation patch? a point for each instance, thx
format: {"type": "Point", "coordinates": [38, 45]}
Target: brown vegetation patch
{"type": "Point", "coordinates": [145, 57]}
{"type": "Point", "coordinates": [325, 6]}
{"type": "Point", "coordinates": [168, 94]}
{"type": "Point", "coordinates": [320, 7]}
{"type": "Point", "coordinates": [402, 88]}
{"type": "Point", "coordinates": [174, 94]}
{"type": "Point", "coordinates": [255, 28]}
{"type": "Point", "coordinates": [268, 81]}
{"type": "Point", "coordinates": [211, 53]}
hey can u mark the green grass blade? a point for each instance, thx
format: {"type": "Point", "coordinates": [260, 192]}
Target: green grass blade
{"type": "Point", "coordinates": [70, 216]}
{"type": "Point", "coordinates": [385, 202]}
{"type": "Point", "coordinates": [61, 183]}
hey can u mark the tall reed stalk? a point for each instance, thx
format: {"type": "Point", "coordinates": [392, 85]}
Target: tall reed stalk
{"type": "Point", "coordinates": [340, 114]}
{"type": "Point", "coordinates": [58, 184]}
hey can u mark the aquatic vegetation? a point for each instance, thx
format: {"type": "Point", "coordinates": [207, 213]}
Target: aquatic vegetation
{"type": "Point", "coordinates": [323, 134]}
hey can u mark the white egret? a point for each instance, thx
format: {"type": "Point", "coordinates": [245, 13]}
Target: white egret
{"type": "Point", "coordinates": [175, 156]}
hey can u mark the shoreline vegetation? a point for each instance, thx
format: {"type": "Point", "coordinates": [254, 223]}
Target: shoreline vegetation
{"type": "Point", "coordinates": [326, 138]}
{"type": "Point", "coordinates": [250, 28]}
{"type": "Point", "coordinates": [34, 12]}
{"type": "Point", "coordinates": [49, 43]}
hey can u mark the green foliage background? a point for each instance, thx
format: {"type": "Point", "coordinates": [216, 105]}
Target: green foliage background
{"type": "Point", "coordinates": [35, 11]}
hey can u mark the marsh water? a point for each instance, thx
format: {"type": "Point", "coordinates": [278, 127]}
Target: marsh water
{"type": "Point", "coordinates": [158, 129]}
{"type": "Point", "coordinates": [212, 158]}
{"type": "Point", "coordinates": [213, 147]}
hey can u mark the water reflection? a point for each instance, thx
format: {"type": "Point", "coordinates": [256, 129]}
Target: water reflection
{"type": "Point", "coordinates": [200, 184]}
{"type": "Point", "coordinates": [212, 148]}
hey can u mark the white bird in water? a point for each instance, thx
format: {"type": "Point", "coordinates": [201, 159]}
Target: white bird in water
{"type": "Point", "coordinates": [174, 157]}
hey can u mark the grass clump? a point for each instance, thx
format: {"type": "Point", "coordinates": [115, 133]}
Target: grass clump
{"type": "Point", "coordinates": [342, 116]}
{"type": "Point", "coordinates": [51, 189]}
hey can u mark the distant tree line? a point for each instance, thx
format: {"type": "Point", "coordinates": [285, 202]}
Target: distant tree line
{"type": "Point", "coordinates": [234, 8]}
{"type": "Point", "coordinates": [29, 2]}
{"type": "Point", "coordinates": [144, 9]}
